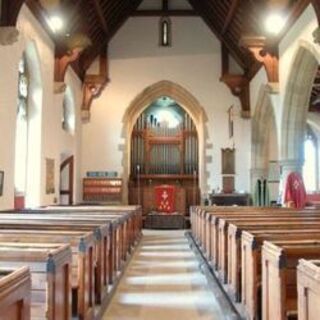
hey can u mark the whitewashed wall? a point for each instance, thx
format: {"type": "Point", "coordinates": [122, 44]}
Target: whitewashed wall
{"type": "Point", "coordinates": [52, 140]}
{"type": "Point", "coordinates": [193, 62]}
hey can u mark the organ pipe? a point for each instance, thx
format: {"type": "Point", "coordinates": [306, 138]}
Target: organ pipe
{"type": "Point", "coordinates": [160, 149]}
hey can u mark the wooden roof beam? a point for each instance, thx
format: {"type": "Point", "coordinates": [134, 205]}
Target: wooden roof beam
{"type": "Point", "coordinates": [238, 84]}
{"type": "Point", "coordinates": [9, 14]}
{"type": "Point", "coordinates": [210, 23]}
{"type": "Point", "coordinates": [270, 61]}
{"type": "Point", "coordinates": [231, 14]}
{"type": "Point", "coordinates": [100, 15]}
{"type": "Point", "coordinates": [94, 85]}
{"type": "Point", "coordinates": [165, 5]}
{"type": "Point", "coordinates": [160, 13]}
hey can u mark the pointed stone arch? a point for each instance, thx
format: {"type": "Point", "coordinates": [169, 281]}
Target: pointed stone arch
{"type": "Point", "coordinates": [296, 105]}
{"type": "Point", "coordinates": [186, 100]}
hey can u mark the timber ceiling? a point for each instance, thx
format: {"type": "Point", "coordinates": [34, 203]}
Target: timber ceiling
{"type": "Point", "coordinates": [101, 19]}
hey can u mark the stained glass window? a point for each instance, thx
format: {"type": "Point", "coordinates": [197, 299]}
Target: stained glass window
{"type": "Point", "coordinates": [21, 145]}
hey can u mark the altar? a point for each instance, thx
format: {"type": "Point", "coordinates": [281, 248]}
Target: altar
{"type": "Point", "coordinates": [164, 206]}
{"type": "Point", "coordinates": [157, 220]}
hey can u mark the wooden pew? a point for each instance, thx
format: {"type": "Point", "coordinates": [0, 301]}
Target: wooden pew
{"type": "Point", "coordinates": [15, 294]}
{"type": "Point", "coordinates": [70, 218]}
{"type": "Point", "coordinates": [279, 221]}
{"type": "Point", "coordinates": [209, 217]}
{"type": "Point", "coordinates": [212, 218]}
{"type": "Point", "coordinates": [83, 261]}
{"type": "Point", "coordinates": [279, 275]}
{"type": "Point", "coordinates": [101, 233]}
{"type": "Point", "coordinates": [50, 266]}
{"type": "Point", "coordinates": [308, 289]}
{"type": "Point", "coordinates": [119, 224]}
{"type": "Point", "coordinates": [251, 263]}
{"type": "Point", "coordinates": [133, 211]}
{"type": "Point", "coordinates": [202, 212]}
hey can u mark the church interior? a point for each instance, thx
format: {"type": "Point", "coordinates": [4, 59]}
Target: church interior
{"type": "Point", "coordinates": [160, 159]}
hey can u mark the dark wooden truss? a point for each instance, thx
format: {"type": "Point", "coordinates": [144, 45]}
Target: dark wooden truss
{"type": "Point", "coordinates": [229, 20]}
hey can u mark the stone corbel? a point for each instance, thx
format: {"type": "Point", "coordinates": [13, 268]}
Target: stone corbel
{"type": "Point", "coordinates": [8, 35]}
{"type": "Point", "coordinates": [240, 87]}
{"type": "Point", "coordinates": [267, 55]}
{"type": "Point", "coordinates": [93, 86]}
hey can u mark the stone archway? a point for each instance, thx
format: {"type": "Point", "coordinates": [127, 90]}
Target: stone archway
{"type": "Point", "coordinates": [186, 100]}
{"type": "Point", "coordinates": [296, 105]}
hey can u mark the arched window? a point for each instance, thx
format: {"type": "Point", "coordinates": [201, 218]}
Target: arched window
{"type": "Point", "coordinates": [310, 168]}
{"type": "Point", "coordinates": [21, 146]}
{"type": "Point", "coordinates": [165, 32]}
{"type": "Point", "coordinates": [68, 112]}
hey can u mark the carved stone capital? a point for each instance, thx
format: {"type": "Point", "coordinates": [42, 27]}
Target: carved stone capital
{"type": "Point", "coordinates": [272, 87]}
{"type": "Point", "coordinates": [316, 35]}
{"type": "Point", "coordinates": [85, 116]}
{"type": "Point", "coordinates": [245, 114]}
{"type": "Point", "coordinates": [8, 35]}
{"type": "Point", "coordinates": [59, 87]}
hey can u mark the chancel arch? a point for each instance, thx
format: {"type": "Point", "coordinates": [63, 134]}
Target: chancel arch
{"type": "Point", "coordinates": [182, 98]}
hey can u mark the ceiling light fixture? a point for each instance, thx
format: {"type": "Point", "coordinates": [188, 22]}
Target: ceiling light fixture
{"type": "Point", "coordinates": [55, 23]}
{"type": "Point", "coordinates": [274, 23]}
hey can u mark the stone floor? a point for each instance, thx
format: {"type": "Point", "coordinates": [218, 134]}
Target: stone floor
{"type": "Point", "coordinates": [163, 282]}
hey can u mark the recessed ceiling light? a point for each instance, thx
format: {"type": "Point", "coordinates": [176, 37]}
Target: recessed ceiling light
{"type": "Point", "coordinates": [275, 23]}
{"type": "Point", "coordinates": [56, 23]}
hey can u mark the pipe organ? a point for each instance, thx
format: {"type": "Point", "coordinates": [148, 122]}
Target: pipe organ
{"type": "Point", "coordinates": [164, 152]}
{"type": "Point", "coordinates": [157, 149]}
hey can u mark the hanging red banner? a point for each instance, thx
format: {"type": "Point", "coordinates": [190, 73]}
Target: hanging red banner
{"type": "Point", "coordinates": [165, 196]}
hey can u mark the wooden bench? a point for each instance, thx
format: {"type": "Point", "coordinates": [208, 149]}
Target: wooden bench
{"type": "Point", "coordinates": [104, 266]}
{"type": "Point", "coordinates": [279, 221]}
{"type": "Point", "coordinates": [209, 218]}
{"type": "Point", "coordinates": [308, 289]}
{"type": "Point", "coordinates": [279, 275]}
{"type": "Point", "coordinates": [50, 266]}
{"type": "Point", "coordinates": [15, 294]}
{"type": "Point", "coordinates": [134, 211]}
{"type": "Point", "coordinates": [250, 270]}
{"type": "Point", "coordinates": [201, 213]}
{"type": "Point", "coordinates": [118, 224]}
{"type": "Point", "coordinates": [83, 262]}
{"type": "Point", "coordinates": [213, 232]}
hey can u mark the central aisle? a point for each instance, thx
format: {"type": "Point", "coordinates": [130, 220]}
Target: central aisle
{"type": "Point", "coordinates": [163, 282]}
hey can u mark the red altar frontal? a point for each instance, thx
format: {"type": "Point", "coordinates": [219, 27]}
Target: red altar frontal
{"type": "Point", "coordinates": [165, 198]}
